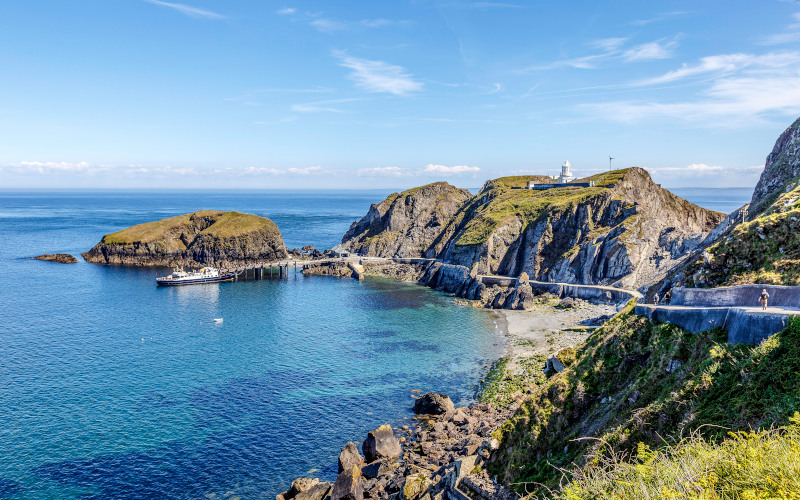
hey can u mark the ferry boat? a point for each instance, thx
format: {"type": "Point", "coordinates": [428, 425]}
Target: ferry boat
{"type": "Point", "coordinates": [204, 275]}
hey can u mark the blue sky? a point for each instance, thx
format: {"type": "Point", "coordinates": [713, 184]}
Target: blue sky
{"type": "Point", "coordinates": [377, 94]}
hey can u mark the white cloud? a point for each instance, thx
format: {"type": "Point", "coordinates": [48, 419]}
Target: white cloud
{"type": "Point", "coordinates": [660, 17]}
{"type": "Point", "coordinates": [187, 10]}
{"type": "Point", "coordinates": [608, 44]}
{"type": "Point", "coordinates": [384, 172]}
{"type": "Point", "coordinates": [650, 51]}
{"type": "Point", "coordinates": [445, 170]}
{"type": "Point", "coordinates": [287, 11]}
{"type": "Point", "coordinates": [83, 169]}
{"type": "Point", "coordinates": [701, 170]}
{"type": "Point", "coordinates": [311, 108]}
{"type": "Point", "coordinates": [791, 35]}
{"type": "Point", "coordinates": [327, 25]}
{"type": "Point", "coordinates": [378, 76]}
{"type": "Point", "coordinates": [727, 64]}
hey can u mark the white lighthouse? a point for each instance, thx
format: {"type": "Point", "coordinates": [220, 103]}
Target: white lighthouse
{"type": "Point", "coordinates": [566, 176]}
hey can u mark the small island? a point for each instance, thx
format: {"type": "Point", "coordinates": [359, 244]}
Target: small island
{"type": "Point", "coordinates": [206, 237]}
{"type": "Point", "coordinates": [61, 258]}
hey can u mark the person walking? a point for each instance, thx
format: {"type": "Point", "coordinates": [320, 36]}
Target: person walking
{"type": "Point", "coordinates": [763, 298]}
{"type": "Point", "coordinates": [667, 298]}
{"type": "Point", "coordinates": [655, 298]}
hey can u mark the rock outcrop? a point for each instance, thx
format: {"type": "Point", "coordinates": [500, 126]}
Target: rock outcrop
{"type": "Point", "coordinates": [207, 237]}
{"type": "Point", "coordinates": [781, 169]}
{"type": "Point", "coordinates": [408, 224]}
{"type": "Point", "coordinates": [624, 231]}
{"type": "Point", "coordinates": [61, 258]}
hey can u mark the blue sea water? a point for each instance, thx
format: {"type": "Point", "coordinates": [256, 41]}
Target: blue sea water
{"type": "Point", "coordinates": [113, 388]}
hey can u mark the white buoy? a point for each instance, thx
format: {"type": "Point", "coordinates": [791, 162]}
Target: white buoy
{"type": "Point", "coordinates": [217, 320]}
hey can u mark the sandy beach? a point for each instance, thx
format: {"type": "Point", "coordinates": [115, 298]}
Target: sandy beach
{"type": "Point", "coordinates": [546, 329]}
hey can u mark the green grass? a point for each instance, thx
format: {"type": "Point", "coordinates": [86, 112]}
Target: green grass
{"type": "Point", "coordinates": [500, 385]}
{"type": "Point", "coordinates": [748, 465]}
{"type": "Point", "coordinates": [211, 222]}
{"type": "Point", "coordinates": [764, 250]}
{"type": "Point", "coordinates": [624, 362]}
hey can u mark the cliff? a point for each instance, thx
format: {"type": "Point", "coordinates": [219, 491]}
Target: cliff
{"type": "Point", "coordinates": [200, 238]}
{"type": "Point", "coordinates": [408, 224]}
{"type": "Point", "coordinates": [781, 169]}
{"type": "Point", "coordinates": [766, 247]}
{"type": "Point", "coordinates": [625, 231]}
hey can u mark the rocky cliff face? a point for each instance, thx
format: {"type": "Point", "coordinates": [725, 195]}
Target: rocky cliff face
{"type": "Point", "coordinates": [409, 224]}
{"type": "Point", "coordinates": [625, 231]}
{"type": "Point", "coordinates": [206, 237]}
{"type": "Point", "coordinates": [781, 169]}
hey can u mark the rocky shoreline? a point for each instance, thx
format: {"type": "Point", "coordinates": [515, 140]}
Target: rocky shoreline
{"type": "Point", "coordinates": [445, 453]}
{"type": "Point", "coordinates": [442, 456]}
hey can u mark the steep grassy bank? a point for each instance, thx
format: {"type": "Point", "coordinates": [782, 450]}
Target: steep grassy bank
{"type": "Point", "coordinates": [639, 382]}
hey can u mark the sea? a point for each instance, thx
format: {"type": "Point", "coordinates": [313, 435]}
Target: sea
{"type": "Point", "coordinates": [113, 388]}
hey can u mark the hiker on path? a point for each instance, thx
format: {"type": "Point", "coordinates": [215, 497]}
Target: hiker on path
{"type": "Point", "coordinates": [763, 298]}
{"type": "Point", "coordinates": [655, 299]}
{"type": "Point", "coordinates": [667, 297]}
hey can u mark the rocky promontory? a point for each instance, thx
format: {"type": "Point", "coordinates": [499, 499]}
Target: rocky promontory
{"type": "Point", "coordinates": [623, 230]}
{"type": "Point", "coordinates": [206, 237]}
{"type": "Point", "coordinates": [61, 258]}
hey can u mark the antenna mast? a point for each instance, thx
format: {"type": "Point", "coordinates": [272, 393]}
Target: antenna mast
{"type": "Point", "coordinates": [609, 161]}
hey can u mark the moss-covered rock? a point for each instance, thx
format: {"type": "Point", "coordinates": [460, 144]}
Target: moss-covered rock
{"type": "Point", "coordinates": [199, 238]}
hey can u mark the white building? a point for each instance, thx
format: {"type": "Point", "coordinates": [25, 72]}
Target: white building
{"type": "Point", "coordinates": [566, 176]}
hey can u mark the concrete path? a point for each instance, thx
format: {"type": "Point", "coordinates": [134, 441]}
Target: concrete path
{"type": "Point", "coordinates": [745, 325]}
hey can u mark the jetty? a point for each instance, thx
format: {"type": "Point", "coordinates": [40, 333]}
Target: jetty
{"type": "Point", "coordinates": [284, 268]}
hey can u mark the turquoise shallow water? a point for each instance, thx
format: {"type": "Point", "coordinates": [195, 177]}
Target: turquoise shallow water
{"type": "Point", "coordinates": [114, 388]}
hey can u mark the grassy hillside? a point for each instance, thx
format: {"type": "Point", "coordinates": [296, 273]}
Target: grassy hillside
{"type": "Point", "coordinates": [638, 382]}
{"type": "Point", "coordinates": [211, 222]}
{"type": "Point", "coordinates": [763, 250]}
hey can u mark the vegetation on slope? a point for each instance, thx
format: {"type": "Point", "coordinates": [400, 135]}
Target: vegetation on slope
{"type": "Point", "coordinates": [498, 201]}
{"type": "Point", "coordinates": [749, 465]}
{"type": "Point", "coordinates": [211, 222]}
{"type": "Point", "coordinates": [640, 382]}
{"type": "Point", "coordinates": [764, 250]}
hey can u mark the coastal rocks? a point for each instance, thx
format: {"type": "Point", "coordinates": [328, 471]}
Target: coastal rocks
{"type": "Point", "coordinates": [350, 457]}
{"type": "Point", "coordinates": [381, 444]}
{"type": "Point", "coordinates": [207, 237]}
{"type": "Point", "coordinates": [413, 223]}
{"type": "Point", "coordinates": [61, 258]}
{"type": "Point", "coordinates": [453, 279]}
{"type": "Point", "coordinates": [625, 231]}
{"type": "Point", "coordinates": [306, 489]}
{"type": "Point", "coordinates": [432, 403]}
{"type": "Point", "coordinates": [349, 485]}
{"type": "Point", "coordinates": [445, 456]}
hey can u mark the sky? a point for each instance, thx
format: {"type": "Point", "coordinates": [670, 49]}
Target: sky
{"type": "Point", "coordinates": [390, 94]}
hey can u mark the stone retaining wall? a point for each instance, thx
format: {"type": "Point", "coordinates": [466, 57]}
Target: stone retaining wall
{"type": "Point", "coordinates": [736, 296]}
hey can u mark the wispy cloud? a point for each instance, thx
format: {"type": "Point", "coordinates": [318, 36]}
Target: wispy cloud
{"type": "Point", "coordinates": [378, 76]}
{"type": "Point", "coordinates": [613, 50]}
{"type": "Point", "coordinates": [311, 108]}
{"type": "Point", "coordinates": [194, 12]}
{"type": "Point", "coordinates": [454, 170]}
{"type": "Point", "coordinates": [327, 25]}
{"type": "Point", "coordinates": [662, 17]}
{"type": "Point", "coordinates": [385, 172]}
{"type": "Point", "coordinates": [85, 169]}
{"type": "Point", "coordinates": [790, 35]}
{"type": "Point", "coordinates": [287, 11]}
{"type": "Point", "coordinates": [663, 49]}
{"type": "Point", "coordinates": [739, 89]}
{"type": "Point", "coordinates": [699, 170]}
{"type": "Point", "coordinates": [727, 64]}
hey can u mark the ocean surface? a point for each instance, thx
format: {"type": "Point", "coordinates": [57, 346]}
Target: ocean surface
{"type": "Point", "coordinates": [112, 388]}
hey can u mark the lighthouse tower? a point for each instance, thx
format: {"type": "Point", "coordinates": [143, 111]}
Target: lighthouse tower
{"type": "Point", "coordinates": [566, 176]}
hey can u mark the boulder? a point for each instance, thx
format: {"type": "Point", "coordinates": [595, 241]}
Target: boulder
{"type": "Point", "coordinates": [349, 485]}
{"type": "Point", "coordinates": [381, 444]}
{"type": "Point", "coordinates": [376, 469]}
{"type": "Point", "coordinates": [300, 485]}
{"type": "Point", "coordinates": [316, 492]}
{"type": "Point", "coordinates": [414, 486]}
{"type": "Point", "coordinates": [350, 457]}
{"type": "Point", "coordinates": [432, 403]}
{"type": "Point", "coordinates": [554, 364]}
{"type": "Point", "coordinates": [61, 258]}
